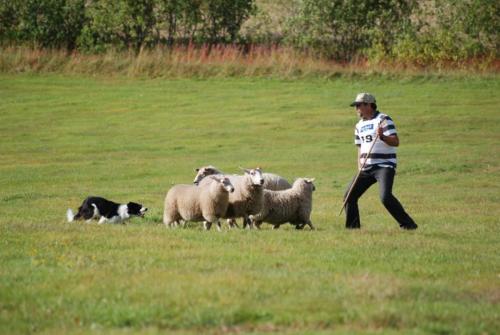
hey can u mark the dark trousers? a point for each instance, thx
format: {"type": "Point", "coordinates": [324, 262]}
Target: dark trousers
{"type": "Point", "coordinates": [385, 178]}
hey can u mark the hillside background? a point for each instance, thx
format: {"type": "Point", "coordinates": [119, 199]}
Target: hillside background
{"type": "Point", "coordinates": [413, 32]}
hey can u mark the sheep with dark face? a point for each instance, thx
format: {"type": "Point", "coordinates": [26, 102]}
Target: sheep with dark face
{"type": "Point", "coordinates": [293, 205]}
{"type": "Point", "coordinates": [208, 202]}
{"type": "Point", "coordinates": [247, 196]}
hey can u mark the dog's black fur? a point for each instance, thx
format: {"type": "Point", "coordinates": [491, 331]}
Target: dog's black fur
{"type": "Point", "coordinates": [106, 210]}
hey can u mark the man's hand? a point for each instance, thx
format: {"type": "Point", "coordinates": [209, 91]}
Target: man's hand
{"type": "Point", "coordinates": [391, 140]}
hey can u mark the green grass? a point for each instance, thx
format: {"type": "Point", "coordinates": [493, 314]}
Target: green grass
{"type": "Point", "coordinates": [63, 138]}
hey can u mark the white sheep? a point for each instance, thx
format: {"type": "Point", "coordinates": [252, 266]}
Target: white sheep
{"type": "Point", "coordinates": [206, 203]}
{"type": "Point", "coordinates": [247, 196]}
{"type": "Point", "coordinates": [271, 181]}
{"type": "Point", "coordinates": [293, 205]}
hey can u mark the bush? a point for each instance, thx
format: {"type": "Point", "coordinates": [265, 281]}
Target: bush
{"type": "Point", "coordinates": [452, 31]}
{"type": "Point", "coordinates": [45, 23]}
{"type": "Point", "coordinates": [345, 29]}
{"type": "Point", "coordinates": [134, 24]}
{"type": "Point", "coordinates": [9, 21]}
{"type": "Point", "coordinates": [121, 24]}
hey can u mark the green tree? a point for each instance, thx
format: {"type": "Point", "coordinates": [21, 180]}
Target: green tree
{"type": "Point", "coordinates": [342, 29]}
{"type": "Point", "coordinates": [45, 23]}
{"type": "Point", "coordinates": [178, 20]}
{"type": "Point", "coordinates": [451, 30]}
{"type": "Point", "coordinates": [118, 23]}
{"type": "Point", "coordinates": [222, 19]}
{"type": "Point", "coordinates": [9, 21]}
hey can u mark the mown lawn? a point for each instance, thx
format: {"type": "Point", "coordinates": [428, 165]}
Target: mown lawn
{"type": "Point", "coordinates": [63, 138]}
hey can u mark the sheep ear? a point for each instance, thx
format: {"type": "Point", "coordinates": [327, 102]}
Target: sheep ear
{"type": "Point", "coordinates": [246, 170]}
{"type": "Point", "coordinates": [197, 169]}
{"type": "Point", "coordinates": [312, 180]}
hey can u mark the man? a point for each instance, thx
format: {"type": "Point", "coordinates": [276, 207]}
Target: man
{"type": "Point", "coordinates": [380, 164]}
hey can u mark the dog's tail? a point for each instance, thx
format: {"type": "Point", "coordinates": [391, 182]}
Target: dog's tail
{"type": "Point", "coordinates": [69, 215]}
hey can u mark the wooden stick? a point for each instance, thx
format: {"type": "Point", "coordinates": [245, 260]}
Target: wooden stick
{"type": "Point", "coordinates": [361, 169]}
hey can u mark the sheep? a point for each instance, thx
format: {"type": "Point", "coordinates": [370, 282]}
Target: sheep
{"type": "Point", "coordinates": [271, 181]}
{"type": "Point", "coordinates": [206, 203]}
{"type": "Point", "coordinates": [293, 205]}
{"type": "Point", "coordinates": [274, 182]}
{"type": "Point", "coordinates": [247, 197]}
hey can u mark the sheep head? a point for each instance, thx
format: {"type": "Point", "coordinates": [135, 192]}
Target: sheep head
{"type": "Point", "coordinates": [204, 171]}
{"type": "Point", "coordinates": [310, 181]}
{"type": "Point", "coordinates": [305, 183]}
{"type": "Point", "coordinates": [225, 182]}
{"type": "Point", "coordinates": [255, 176]}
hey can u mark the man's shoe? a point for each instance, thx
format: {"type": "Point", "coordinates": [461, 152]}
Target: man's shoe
{"type": "Point", "coordinates": [412, 226]}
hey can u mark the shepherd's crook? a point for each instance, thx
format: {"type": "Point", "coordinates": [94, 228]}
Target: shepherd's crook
{"type": "Point", "coordinates": [362, 166]}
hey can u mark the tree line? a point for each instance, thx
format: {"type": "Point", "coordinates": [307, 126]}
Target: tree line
{"type": "Point", "coordinates": [335, 29]}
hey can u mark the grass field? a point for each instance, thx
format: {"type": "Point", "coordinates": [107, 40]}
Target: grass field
{"type": "Point", "coordinates": [63, 138]}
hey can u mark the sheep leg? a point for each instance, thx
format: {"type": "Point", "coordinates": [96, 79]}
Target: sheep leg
{"type": "Point", "coordinates": [309, 223]}
{"type": "Point", "coordinates": [276, 226]}
{"type": "Point", "coordinates": [232, 223]}
{"type": "Point", "coordinates": [253, 222]}
{"type": "Point", "coordinates": [247, 223]}
{"type": "Point", "coordinates": [207, 225]}
{"type": "Point", "coordinates": [299, 226]}
{"type": "Point", "coordinates": [219, 228]}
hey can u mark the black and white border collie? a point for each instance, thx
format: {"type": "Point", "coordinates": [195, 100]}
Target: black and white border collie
{"type": "Point", "coordinates": [106, 211]}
